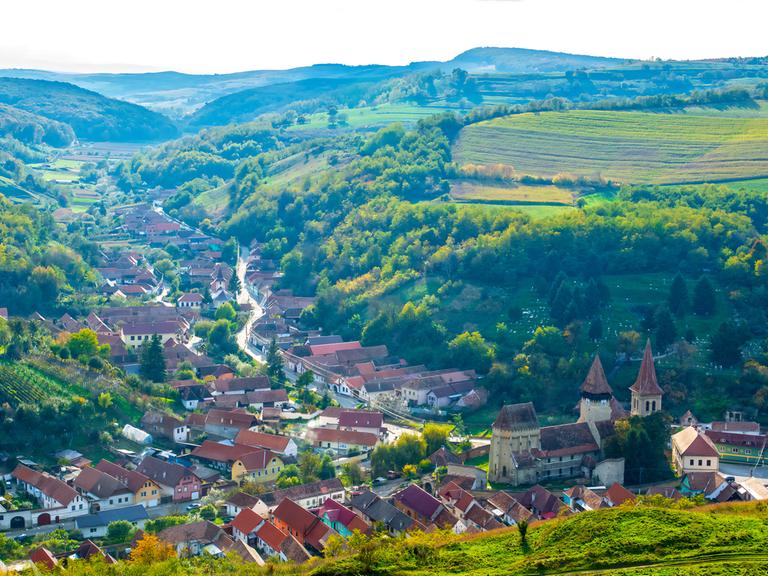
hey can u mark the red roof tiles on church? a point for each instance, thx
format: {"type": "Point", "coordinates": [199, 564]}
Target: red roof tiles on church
{"type": "Point", "coordinates": [596, 383]}
{"type": "Point", "coordinates": [646, 383]}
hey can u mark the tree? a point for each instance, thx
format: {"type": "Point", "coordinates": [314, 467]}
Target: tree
{"type": "Point", "coordinates": [704, 298]}
{"type": "Point", "coordinates": [151, 550]}
{"type": "Point", "coordinates": [678, 296]}
{"type": "Point", "coordinates": [595, 330]}
{"type": "Point", "coordinates": [435, 436]}
{"type": "Point", "coordinates": [275, 370]}
{"type": "Point", "coordinates": [522, 528]}
{"type": "Point", "coordinates": [220, 339]}
{"type": "Point", "coordinates": [226, 312]}
{"type": "Point", "coordinates": [470, 350]}
{"type": "Point", "coordinates": [310, 465]}
{"type": "Point", "coordinates": [725, 344]}
{"type": "Point", "coordinates": [305, 379]}
{"type": "Point", "coordinates": [290, 475]}
{"type": "Point", "coordinates": [208, 512]}
{"type": "Point", "coordinates": [327, 469]}
{"type": "Point", "coordinates": [666, 332]}
{"type": "Point", "coordinates": [119, 531]}
{"type": "Point", "coordinates": [352, 473]}
{"type": "Point", "coordinates": [83, 343]}
{"type": "Point", "coordinates": [105, 400]}
{"type": "Point", "coordinates": [152, 363]}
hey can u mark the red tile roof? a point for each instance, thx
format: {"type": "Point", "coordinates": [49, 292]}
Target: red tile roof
{"type": "Point", "coordinates": [596, 383]}
{"type": "Point", "coordinates": [270, 534]}
{"type": "Point", "coordinates": [360, 419]}
{"type": "Point", "coordinates": [617, 494]}
{"type": "Point", "coordinates": [646, 382]}
{"type": "Point", "coordinates": [322, 349]}
{"type": "Point", "coordinates": [350, 437]}
{"type": "Point", "coordinates": [261, 440]}
{"type": "Point", "coordinates": [131, 478]}
{"type": "Point", "coordinates": [247, 521]}
{"type": "Point", "coordinates": [210, 450]}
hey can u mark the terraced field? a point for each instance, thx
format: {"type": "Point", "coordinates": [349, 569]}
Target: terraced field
{"type": "Point", "coordinates": [630, 147]}
{"type": "Point", "coordinates": [21, 384]}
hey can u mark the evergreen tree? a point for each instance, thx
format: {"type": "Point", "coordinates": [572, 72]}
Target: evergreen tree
{"type": "Point", "coordinates": [725, 344]}
{"type": "Point", "coordinates": [678, 296]}
{"type": "Point", "coordinates": [666, 332]}
{"type": "Point", "coordinates": [559, 308]}
{"type": "Point", "coordinates": [596, 329]}
{"type": "Point", "coordinates": [234, 284]}
{"type": "Point", "coordinates": [152, 361]}
{"type": "Point", "coordinates": [556, 285]}
{"type": "Point", "coordinates": [704, 299]}
{"type": "Point", "coordinates": [592, 298]}
{"type": "Point", "coordinates": [275, 370]}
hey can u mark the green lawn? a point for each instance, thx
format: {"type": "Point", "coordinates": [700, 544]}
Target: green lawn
{"type": "Point", "coordinates": [635, 147]}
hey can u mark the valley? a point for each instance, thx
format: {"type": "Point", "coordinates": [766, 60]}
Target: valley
{"type": "Point", "coordinates": [502, 313]}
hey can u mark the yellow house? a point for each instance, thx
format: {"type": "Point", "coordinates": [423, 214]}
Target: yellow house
{"type": "Point", "coordinates": [145, 491]}
{"type": "Point", "coordinates": [260, 466]}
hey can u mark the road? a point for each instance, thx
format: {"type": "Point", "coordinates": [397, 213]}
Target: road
{"type": "Point", "coordinates": [245, 297]}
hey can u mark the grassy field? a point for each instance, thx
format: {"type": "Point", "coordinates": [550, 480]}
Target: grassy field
{"type": "Point", "coordinates": [373, 116]}
{"type": "Point", "coordinates": [472, 191]}
{"type": "Point", "coordinates": [724, 539]}
{"type": "Point", "coordinates": [633, 147]}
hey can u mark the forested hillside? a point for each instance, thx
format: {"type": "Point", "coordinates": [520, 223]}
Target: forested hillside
{"type": "Point", "coordinates": [32, 128]}
{"type": "Point", "coordinates": [39, 262]}
{"type": "Point", "coordinates": [91, 115]}
{"type": "Point", "coordinates": [367, 223]}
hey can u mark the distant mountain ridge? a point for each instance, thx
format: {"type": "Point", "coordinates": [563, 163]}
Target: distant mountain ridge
{"type": "Point", "coordinates": [92, 116]}
{"type": "Point", "coordinates": [178, 93]}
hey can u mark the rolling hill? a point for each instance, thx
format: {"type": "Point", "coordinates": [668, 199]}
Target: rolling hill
{"type": "Point", "coordinates": [91, 115]}
{"type": "Point", "coordinates": [692, 145]}
{"type": "Point", "coordinates": [31, 128]}
{"type": "Point", "coordinates": [177, 93]}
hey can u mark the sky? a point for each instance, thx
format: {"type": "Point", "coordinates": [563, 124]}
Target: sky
{"type": "Point", "coordinates": [222, 36]}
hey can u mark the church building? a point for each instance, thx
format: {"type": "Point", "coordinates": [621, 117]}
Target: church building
{"type": "Point", "coordinates": [522, 452]}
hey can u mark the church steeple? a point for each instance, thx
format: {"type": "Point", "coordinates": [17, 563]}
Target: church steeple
{"type": "Point", "coordinates": [646, 392]}
{"type": "Point", "coordinates": [596, 395]}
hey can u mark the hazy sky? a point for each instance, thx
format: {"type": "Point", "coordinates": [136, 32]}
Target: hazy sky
{"type": "Point", "coordinates": [228, 35]}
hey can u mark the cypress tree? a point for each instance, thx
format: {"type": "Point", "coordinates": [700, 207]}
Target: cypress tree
{"type": "Point", "coordinates": [678, 296]}
{"type": "Point", "coordinates": [666, 332]}
{"type": "Point", "coordinates": [152, 361]}
{"type": "Point", "coordinates": [704, 299]}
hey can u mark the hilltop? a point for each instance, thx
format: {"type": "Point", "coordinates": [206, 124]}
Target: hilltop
{"type": "Point", "coordinates": [91, 115]}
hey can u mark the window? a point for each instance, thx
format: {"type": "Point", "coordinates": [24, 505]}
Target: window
{"type": "Point", "coordinates": [735, 450]}
{"type": "Point", "coordinates": [709, 462]}
{"type": "Point", "coordinates": [691, 461]}
{"type": "Point", "coordinates": [111, 501]}
{"type": "Point", "coordinates": [699, 462]}
{"type": "Point", "coordinates": [647, 406]}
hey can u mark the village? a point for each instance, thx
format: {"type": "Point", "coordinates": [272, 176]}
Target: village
{"type": "Point", "coordinates": [283, 466]}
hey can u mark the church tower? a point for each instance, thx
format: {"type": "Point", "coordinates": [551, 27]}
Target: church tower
{"type": "Point", "coordinates": [596, 395]}
{"type": "Point", "coordinates": [646, 393]}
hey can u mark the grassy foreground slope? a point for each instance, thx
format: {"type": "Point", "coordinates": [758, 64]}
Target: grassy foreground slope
{"type": "Point", "coordinates": [729, 539]}
{"type": "Point", "coordinates": [629, 147]}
